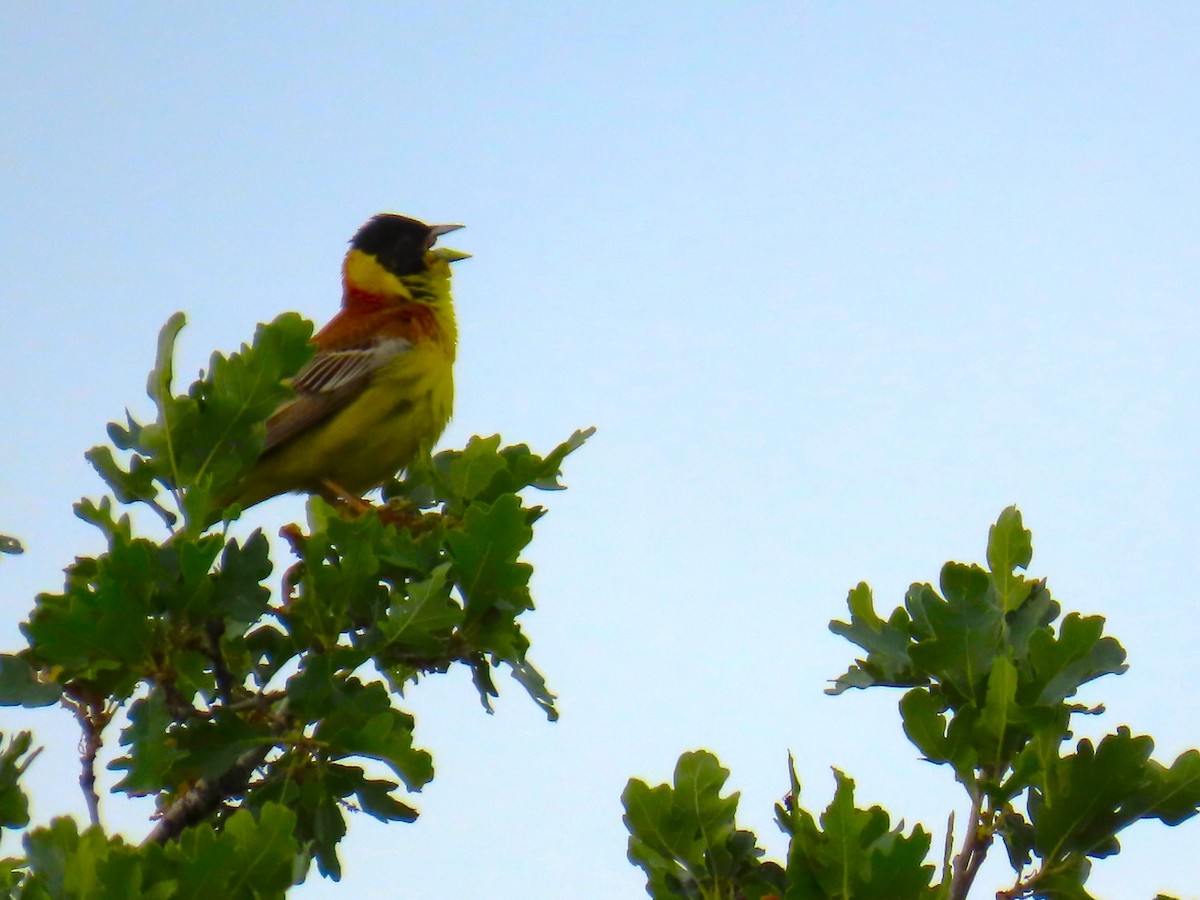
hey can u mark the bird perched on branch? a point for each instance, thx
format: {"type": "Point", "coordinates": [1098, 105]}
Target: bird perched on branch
{"type": "Point", "coordinates": [380, 388]}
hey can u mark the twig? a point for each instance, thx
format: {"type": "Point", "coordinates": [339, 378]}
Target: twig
{"type": "Point", "coordinates": [215, 630]}
{"type": "Point", "coordinates": [1019, 889]}
{"type": "Point", "coordinates": [974, 850]}
{"type": "Point", "coordinates": [168, 517]}
{"type": "Point", "coordinates": [92, 722]}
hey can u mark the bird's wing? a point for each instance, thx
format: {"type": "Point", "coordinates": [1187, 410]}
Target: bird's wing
{"type": "Point", "coordinates": [329, 382]}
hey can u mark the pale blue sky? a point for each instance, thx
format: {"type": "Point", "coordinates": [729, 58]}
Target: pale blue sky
{"type": "Point", "coordinates": [836, 282]}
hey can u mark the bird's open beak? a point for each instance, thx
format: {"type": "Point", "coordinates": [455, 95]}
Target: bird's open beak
{"type": "Point", "coordinates": [435, 232]}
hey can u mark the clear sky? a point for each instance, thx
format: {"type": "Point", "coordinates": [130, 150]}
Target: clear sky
{"type": "Point", "coordinates": [836, 282]}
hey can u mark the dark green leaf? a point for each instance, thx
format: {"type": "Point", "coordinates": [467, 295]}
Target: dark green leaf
{"type": "Point", "coordinates": [238, 589]}
{"type": "Point", "coordinates": [9, 544]}
{"type": "Point", "coordinates": [21, 686]}
{"type": "Point", "coordinates": [1079, 653]}
{"type": "Point", "coordinates": [1064, 882]}
{"type": "Point", "coordinates": [153, 756]}
{"type": "Point", "coordinates": [1018, 838]}
{"type": "Point", "coordinates": [999, 707]}
{"type": "Point", "coordinates": [925, 724]}
{"type": "Point", "coordinates": [485, 555]}
{"type": "Point", "coordinates": [1175, 794]}
{"type": "Point", "coordinates": [685, 838]}
{"type": "Point", "coordinates": [887, 645]}
{"type": "Point", "coordinates": [362, 722]}
{"type": "Point", "coordinates": [14, 805]}
{"type": "Point", "coordinates": [420, 622]}
{"type": "Point", "coordinates": [251, 857]}
{"type": "Point", "coordinates": [1092, 794]}
{"type": "Point", "coordinates": [534, 683]}
{"type": "Point", "coordinates": [856, 853]}
{"type": "Point", "coordinates": [965, 632]}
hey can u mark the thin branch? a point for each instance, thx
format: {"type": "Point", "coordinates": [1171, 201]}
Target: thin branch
{"type": "Point", "coordinates": [92, 722]}
{"type": "Point", "coordinates": [1020, 888]}
{"type": "Point", "coordinates": [974, 850]}
{"type": "Point", "coordinates": [948, 849]}
{"type": "Point", "coordinates": [1025, 887]}
{"type": "Point", "coordinates": [215, 630]}
{"type": "Point", "coordinates": [168, 517]}
{"type": "Point", "coordinates": [262, 701]}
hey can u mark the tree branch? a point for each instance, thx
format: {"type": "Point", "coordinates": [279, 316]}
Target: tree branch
{"type": "Point", "coordinates": [974, 850]}
{"type": "Point", "coordinates": [207, 795]}
{"type": "Point", "coordinates": [92, 722]}
{"type": "Point", "coordinates": [214, 630]}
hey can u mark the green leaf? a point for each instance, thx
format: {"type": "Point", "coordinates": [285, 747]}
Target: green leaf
{"type": "Point", "coordinates": [314, 791]}
{"type": "Point", "coordinates": [1064, 882]}
{"type": "Point", "coordinates": [1094, 793]}
{"type": "Point", "coordinates": [14, 760]}
{"type": "Point", "coordinates": [375, 795]}
{"type": "Point", "coordinates": [97, 630]}
{"type": "Point", "coordinates": [527, 675]}
{"type": "Point", "coordinates": [251, 857]}
{"type": "Point", "coordinates": [855, 853]}
{"type": "Point", "coordinates": [421, 621]}
{"type": "Point", "coordinates": [1000, 705]}
{"type": "Point", "coordinates": [238, 588]}
{"type": "Point", "coordinates": [942, 742]}
{"type": "Point", "coordinates": [56, 857]}
{"type": "Point", "coordinates": [887, 645]}
{"type": "Point", "coordinates": [202, 441]}
{"type": "Point", "coordinates": [685, 837]}
{"type": "Point", "coordinates": [129, 486]}
{"type": "Point", "coordinates": [1036, 613]}
{"type": "Point", "coordinates": [265, 848]}
{"type": "Point", "coordinates": [527, 469]}
{"type": "Point", "coordinates": [9, 544]}
{"type": "Point", "coordinates": [151, 762]}
{"type": "Point", "coordinates": [1048, 729]}
{"type": "Point", "coordinates": [470, 472]}
{"type": "Point", "coordinates": [925, 724]}
{"type": "Point", "coordinates": [965, 632]}
{"type": "Point", "coordinates": [362, 722]}
{"type": "Point", "coordinates": [1060, 665]}
{"type": "Point", "coordinates": [21, 686]}
{"type": "Point", "coordinates": [482, 472]}
{"type": "Point", "coordinates": [1018, 838]}
{"type": "Point", "coordinates": [1175, 792]}
{"type": "Point", "coordinates": [485, 553]}
{"type": "Point", "coordinates": [208, 747]}
{"type": "Point", "coordinates": [1010, 547]}
{"type": "Point", "coordinates": [545, 473]}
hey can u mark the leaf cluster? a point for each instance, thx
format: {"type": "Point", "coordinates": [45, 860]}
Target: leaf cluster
{"type": "Point", "coordinates": [990, 674]}
{"type": "Point", "coordinates": [202, 441]}
{"type": "Point", "coordinates": [250, 858]}
{"type": "Point", "coordinates": [244, 709]}
{"type": "Point", "coordinates": [684, 836]}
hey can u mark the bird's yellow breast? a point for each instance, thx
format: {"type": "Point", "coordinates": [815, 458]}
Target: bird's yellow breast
{"type": "Point", "coordinates": [400, 414]}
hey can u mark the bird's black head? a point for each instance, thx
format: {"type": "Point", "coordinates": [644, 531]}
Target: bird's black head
{"type": "Point", "coordinates": [399, 243]}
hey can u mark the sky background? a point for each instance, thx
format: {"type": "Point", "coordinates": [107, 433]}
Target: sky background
{"type": "Point", "coordinates": [836, 282]}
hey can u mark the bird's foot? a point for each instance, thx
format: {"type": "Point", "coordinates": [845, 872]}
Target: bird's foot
{"type": "Point", "coordinates": [335, 493]}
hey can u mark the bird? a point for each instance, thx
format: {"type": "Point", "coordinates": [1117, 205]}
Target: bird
{"type": "Point", "coordinates": [379, 389]}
